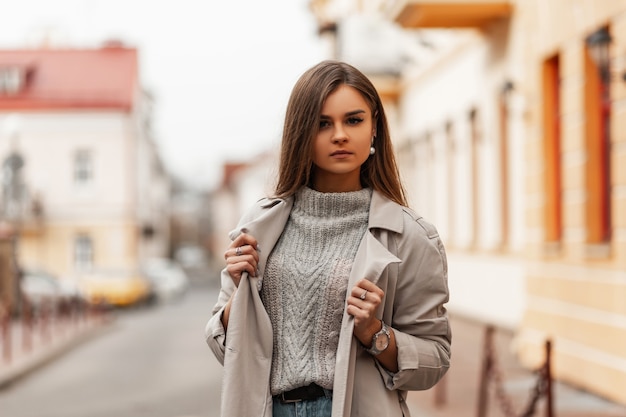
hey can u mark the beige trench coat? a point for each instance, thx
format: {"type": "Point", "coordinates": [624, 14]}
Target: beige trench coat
{"type": "Point", "coordinates": [404, 256]}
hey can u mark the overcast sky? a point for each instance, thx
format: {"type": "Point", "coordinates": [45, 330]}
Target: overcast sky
{"type": "Point", "coordinates": [221, 71]}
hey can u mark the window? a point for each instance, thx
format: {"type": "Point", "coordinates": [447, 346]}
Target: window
{"type": "Point", "coordinates": [424, 171]}
{"type": "Point", "coordinates": [552, 149]}
{"type": "Point", "coordinates": [83, 167]}
{"type": "Point", "coordinates": [597, 143]}
{"type": "Point", "coordinates": [83, 252]}
{"type": "Point", "coordinates": [11, 80]}
{"type": "Point", "coordinates": [503, 115]}
{"type": "Point", "coordinates": [475, 140]}
{"type": "Point", "coordinates": [451, 175]}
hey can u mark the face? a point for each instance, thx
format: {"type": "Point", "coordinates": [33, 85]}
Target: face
{"type": "Point", "coordinates": [343, 142]}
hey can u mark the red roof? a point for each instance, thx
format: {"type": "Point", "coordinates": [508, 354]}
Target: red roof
{"type": "Point", "coordinates": [229, 170]}
{"type": "Point", "coordinates": [104, 78]}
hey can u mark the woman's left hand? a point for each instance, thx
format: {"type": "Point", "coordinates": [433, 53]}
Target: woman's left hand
{"type": "Point", "coordinates": [365, 297]}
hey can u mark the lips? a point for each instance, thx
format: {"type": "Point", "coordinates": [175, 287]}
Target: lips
{"type": "Point", "coordinates": [341, 153]}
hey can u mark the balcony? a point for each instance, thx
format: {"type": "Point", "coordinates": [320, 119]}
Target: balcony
{"type": "Point", "coordinates": [388, 86]}
{"type": "Point", "coordinates": [454, 14]}
{"type": "Point", "coordinates": [26, 215]}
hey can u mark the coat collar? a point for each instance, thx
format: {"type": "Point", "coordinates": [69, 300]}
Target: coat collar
{"type": "Point", "coordinates": [384, 213]}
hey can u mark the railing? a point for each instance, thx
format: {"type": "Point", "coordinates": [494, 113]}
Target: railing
{"type": "Point", "coordinates": [39, 326]}
{"type": "Point", "coordinates": [491, 389]}
{"type": "Point", "coordinates": [491, 373]}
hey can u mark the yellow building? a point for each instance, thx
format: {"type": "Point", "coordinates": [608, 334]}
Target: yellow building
{"type": "Point", "coordinates": [511, 134]}
{"type": "Point", "coordinates": [576, 179]}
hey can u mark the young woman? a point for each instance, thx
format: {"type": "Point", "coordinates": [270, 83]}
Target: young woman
{"type": "Point", "coordinates": [332, 298]}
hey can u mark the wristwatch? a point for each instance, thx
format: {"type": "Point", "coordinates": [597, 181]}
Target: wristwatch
{"type": "Point", "coordinates": [380, 341]}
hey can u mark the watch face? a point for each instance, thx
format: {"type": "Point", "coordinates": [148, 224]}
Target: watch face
{"type": "Point", "coordinates": [382, 342]}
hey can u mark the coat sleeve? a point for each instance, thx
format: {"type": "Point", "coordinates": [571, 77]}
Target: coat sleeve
{"type": "Point", "coordinates": [214, 332]}
{"type": "Point", "coordinates": [420, 320]}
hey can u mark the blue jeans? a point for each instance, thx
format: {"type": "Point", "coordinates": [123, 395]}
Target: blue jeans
{"type": "Point", "coordinates": [320, 407]}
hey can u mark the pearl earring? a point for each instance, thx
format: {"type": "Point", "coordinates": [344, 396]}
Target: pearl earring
{"type": "Point", "coordinates": [372, 150]}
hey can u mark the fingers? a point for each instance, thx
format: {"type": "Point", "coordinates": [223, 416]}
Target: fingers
{"type": "Point", "coordinates": [242, 256]}
{"type": "Point", "coordinates": [366, 292]}
{"type": "Point", "coordinates": [244, 239]}
{"type": "Point", "coordinates": [235, 270]}
{"type": "Point", "coordinates": [243, 244]}
{"type": "Point", "coordinates": [364, 299]}
{"type": "Point", "coordinates": [239, 253]}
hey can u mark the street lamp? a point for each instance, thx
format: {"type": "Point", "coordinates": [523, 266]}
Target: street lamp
{"type": "Point", "coordinates": [598, 43]}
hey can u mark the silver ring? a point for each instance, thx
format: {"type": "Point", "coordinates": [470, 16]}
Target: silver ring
{"type": "Point", "coordinates": [362, 297]}
{"type": "Point", "coordinates": [238, 251]}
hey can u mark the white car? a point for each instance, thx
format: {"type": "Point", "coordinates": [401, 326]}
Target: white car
{"type": "Point", "coordinates": [40, 287]}
{"type": "Point", "coordinates": [191, 257]}
{"type": "Point", "coordinates": [169, 280]}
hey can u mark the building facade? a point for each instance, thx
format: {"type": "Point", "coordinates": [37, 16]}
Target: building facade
{"type": "Point", "coordinates": [510, 138]}
{"type": "Point", "coordinates": [92, 190]}
{"type": "Point", "coordinates": [576, 188]}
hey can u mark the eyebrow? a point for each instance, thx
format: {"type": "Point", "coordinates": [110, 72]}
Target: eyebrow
{"type": "Point", "coordinates": [348, 114]}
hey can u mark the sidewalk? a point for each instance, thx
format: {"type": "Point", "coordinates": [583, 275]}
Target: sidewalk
{"type": "Point", "coordinates": [458, 391]}
{"type": "Point", "coordinates": [44, 347]}
{"type": "Point", "coordinates": [459, 388]}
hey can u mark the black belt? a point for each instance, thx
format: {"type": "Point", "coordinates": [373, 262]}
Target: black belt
{"type": "Point", "coordinates": [310, 392]}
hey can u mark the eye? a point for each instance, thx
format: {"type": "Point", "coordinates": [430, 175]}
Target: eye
{"type": "Point", "coordinates": [354, 120]}
{"type": "Point", "coordinates": [324, 123]}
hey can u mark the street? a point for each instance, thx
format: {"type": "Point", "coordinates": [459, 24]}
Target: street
{"type": "Point", "coordinates": [151, 362]}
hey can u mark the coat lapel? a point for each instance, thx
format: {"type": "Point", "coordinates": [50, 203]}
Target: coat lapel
{"type": "Point", "coordinates": [268, 227]}
{"type": "Point", "coordinates": [250, 328]}
{"type": "Point", "coordinates": [370, 261]}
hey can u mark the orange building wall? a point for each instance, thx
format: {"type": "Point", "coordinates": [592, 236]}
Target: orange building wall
{"type": "Point", "coordinates": [576, 289]}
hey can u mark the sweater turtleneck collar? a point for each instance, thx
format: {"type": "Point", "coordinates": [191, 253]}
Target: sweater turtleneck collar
{"type": "Point", "coordinates": [318, 204]}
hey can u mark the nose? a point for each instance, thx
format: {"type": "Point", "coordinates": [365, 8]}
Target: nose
{"type": "Point", "coordinates": [339, 135]}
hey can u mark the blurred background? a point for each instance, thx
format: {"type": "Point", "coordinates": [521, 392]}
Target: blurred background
{"type": "Point", "coordinates": [134, 133]}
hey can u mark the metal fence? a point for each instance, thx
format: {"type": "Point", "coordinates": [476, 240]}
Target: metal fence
{"type": "Point", "coordinates": [492, 376]}
{"type": "Point", "coordinates": [37, 326]}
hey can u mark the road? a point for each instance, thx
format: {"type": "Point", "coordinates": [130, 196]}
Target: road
{"type": "Point", "coordinates": [152, 362]}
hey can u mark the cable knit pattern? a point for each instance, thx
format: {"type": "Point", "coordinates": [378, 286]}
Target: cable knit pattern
{"type": "Point", "coordinates": [305, 282]}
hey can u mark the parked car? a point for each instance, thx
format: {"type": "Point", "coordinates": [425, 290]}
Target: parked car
{"type": "Point", "coordinates": [118, 287]}
{"type": "Point", "coordinates": [169, 280]}
{"type": "Point", "coordinates": [191, 256]}
{"type": "Point", "coordinates": [39, 286]}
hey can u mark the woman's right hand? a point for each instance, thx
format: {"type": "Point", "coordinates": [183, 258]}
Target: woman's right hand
{"type": "Point", "coordinates": [242, 256]}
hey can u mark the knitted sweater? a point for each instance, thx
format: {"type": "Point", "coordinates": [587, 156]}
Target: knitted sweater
{"type": "Point", "coordinates": [305, 283]}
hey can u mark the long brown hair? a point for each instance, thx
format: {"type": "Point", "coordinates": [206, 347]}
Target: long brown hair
{"type": "Point", "coordinates": [302, 119]}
